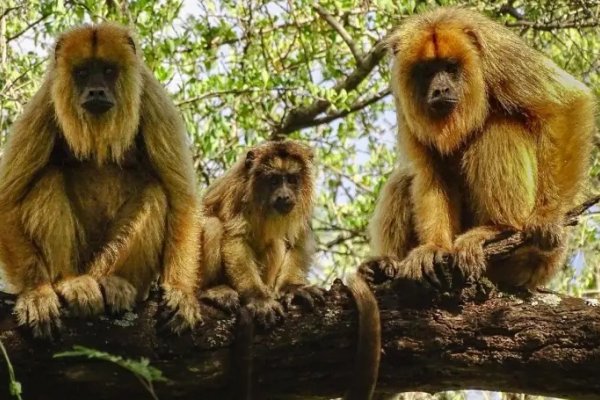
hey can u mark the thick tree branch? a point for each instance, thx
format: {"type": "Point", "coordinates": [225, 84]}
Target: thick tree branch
{"type": "Point", "coordinates": [478, 338]}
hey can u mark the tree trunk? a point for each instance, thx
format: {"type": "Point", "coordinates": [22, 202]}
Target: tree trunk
{"type": "Point", "coordinates": [478, 338]}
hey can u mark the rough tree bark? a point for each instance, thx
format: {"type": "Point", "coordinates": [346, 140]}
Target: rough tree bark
{"type": "Point", "coordinates": [539, 343]}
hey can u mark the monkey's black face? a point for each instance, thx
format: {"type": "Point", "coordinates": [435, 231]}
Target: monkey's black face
{"type": "Point", "coordinates": [95, 80]}
{"type": "Point", "coordinates": [279, 189]}
{"type": "Point", "coordinates": [437, 85]}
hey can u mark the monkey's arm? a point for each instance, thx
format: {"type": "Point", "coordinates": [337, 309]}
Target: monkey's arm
{"type": "Point", "coordinates": [435, 202]}
{"type": "Point", "coordinates": [243, 274]}
{"type": "Point", "coordinates": [28, 148]}
{"type": "Point", "coordinates": [167, 147]}
{"type": "Point", "coordinates": [293, 282]}
{"type": "Point", "coordinates": [242, 270]}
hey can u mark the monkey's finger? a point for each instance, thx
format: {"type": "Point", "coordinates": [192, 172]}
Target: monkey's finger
{"type": "Point", "coordinates": [444, 275]}
{"type": "Point", "coordinates": [306, 298]}
{"type": "Point", "coordinates": [317, 293]}
{"type": "Point", "coordinates": [287, 300]}
{"type": "Point", "coordinates": [429, 274]}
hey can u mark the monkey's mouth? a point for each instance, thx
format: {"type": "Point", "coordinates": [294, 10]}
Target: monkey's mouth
{"type": "Point", "coordinates": [98, 106]}
{"type": "Point", "coordinates": [283, 207]}
{"type": "Point", "coordinates": [441, 108]}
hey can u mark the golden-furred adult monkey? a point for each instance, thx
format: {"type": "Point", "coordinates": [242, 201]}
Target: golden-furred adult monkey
{"type": "Point", "coordinates": [497, 137]}
{"type": "Point", "coordinates": [256, 239]}
{"type": "Point", "coordinates": [97, 188]}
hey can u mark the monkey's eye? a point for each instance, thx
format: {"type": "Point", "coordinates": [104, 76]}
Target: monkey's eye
{"type": "Point", "coordinates": [81, 73]}
{"type": "Point", "coordinates": [109, 71]}
{"type": "Point", "coordinates": [452, 66]}
{"type": "Point", "coordinates": [274, 180]}
{"type": "Point", "coordinates": [292, 179]}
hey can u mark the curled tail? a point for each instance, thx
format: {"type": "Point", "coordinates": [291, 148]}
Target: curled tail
{"type": "Point", "coordinates": [369, 341]}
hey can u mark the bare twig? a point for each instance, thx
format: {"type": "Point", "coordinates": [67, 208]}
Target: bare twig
{"type": "Point", "coordinates": [505, 243]}
{"type": "Point", "coordinates": [553, 26]}
{"type": "Point", "coordinates": [358, 56]}
{"type": "Point", "coordinates": [302, 117]}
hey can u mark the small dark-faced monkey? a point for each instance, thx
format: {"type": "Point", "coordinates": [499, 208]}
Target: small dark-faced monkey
{"type": "Point", "coordinates": [496, 138]}
{"type": "Point", "coordinates": [256, 239]}
{"type": "Point", "coordinates": [97, 188]}
{"type": "Point", "coordinates": [257, 247]}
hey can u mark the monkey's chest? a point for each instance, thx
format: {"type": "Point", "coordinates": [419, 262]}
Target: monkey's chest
{"type": "Point", "coordinates": [99, 194]}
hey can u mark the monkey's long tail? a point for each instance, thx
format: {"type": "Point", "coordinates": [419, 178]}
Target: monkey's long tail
{"type": "Point", "coordinates": [242, 358]}
{"type": "Point", "coordinates": [369, 341]}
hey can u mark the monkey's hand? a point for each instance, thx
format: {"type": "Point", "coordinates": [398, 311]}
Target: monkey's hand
{"type": "Point", "coordinates": [308, 295]}
{"type": "Point", "coordinates": [265, 311]}
{"type": "Point", "coordinates": [39, 309]}
{"type": "Point", "coordinates": [119, 294]}
{"type": "Point", "coordinates": [427, 262]}
{"type": "Point", "coordinates": [379, 269]}
{"type": "Point", "coordinates": [469, 257]}
{"type": "Point", "coordinates": [545, 236]}
{"type": "Point", "coordinates": [184, 308]}
{"type": "Point", "coordinates": [82, 295]}
{"type": "Point", "coordinates": [222, 297]}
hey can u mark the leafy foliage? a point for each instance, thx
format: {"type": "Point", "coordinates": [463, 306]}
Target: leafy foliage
{"type": "Point", "coordinates": [242, 71]}
{"type": "Point", "coordinates": [142, 369]}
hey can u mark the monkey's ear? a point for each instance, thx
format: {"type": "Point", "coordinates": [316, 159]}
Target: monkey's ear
{"type": "Point", "coordinates": [473, 37]}
{"type": "Point", "coordinates": [250, 156]}
{"type": "Point", "coordinates": [57, 46]}
{"type": "Point", "coordinates": [392, 42]}
{"type": "Point", "coordinates": [131, 42]}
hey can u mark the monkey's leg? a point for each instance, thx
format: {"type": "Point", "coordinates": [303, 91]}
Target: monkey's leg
{"type": "Point", "coordinates": [37, 305]}
{"type": "Point", "coordinates": [53, 225]}
{"type": "Point", "coordinates": [243, 274]}
{"type": "Point", "coordinates": [48, 243]}
{"type": "Point", "coordinates": [223, 297]}
{"type": "Point", "coordinates": [130, 258]}
{"type": "Point", "coordinates": [292, 283]}
{"type": "Point", "coordinates": [391, 229]}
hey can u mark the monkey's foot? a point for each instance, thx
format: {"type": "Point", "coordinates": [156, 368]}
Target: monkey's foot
{"type": "Point", "coordinates": [428, 262]}
{"type": "Point", "coordinates": [119, 294]}
{"type": "Point", "coordinates": [184, 308]}
{"type": "Point", "coordinates": [308, 295]}
{"type": "Point", "coordinates": [82, 294]}
{"type": "Point", "coordinates": [266, 312]}
{"type": "Point", "coordinates": [222, 297]}
{"type": "Point", "coordinates": [469, 257]}
{"type": "Point", "coordinates": [39, 309]}
{"type": "Point", "coordinates": [547, 236]}
{"type": "Point", "coordinates": [379, 269]}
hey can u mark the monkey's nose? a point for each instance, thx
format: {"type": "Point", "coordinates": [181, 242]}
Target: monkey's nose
{"type": "Point", "coordinates": [96, 101]}
{"type": "Point", "coordinates": [283, 204]}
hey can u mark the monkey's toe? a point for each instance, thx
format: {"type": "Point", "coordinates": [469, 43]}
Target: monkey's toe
{"type": "Point", "coordinates": [546, 237]}
{"type": "Point", "coordinates": [40, 310]}
{"type": "Point", "coordinates": [184, 309]}
{"type": "Point", "coordinates": [82, 295]}
{"type": "Point", "coordinates": [226, 299]}
{"type": "Point", "coordinates": [266, 312]}
{"type": "Point", "coordinates": [307, 295]}
{"type": "Point", "coordinates": [119, 294]}
{"type": "Point", "coordinates": [469, 258]}
{"type": "Point", "coordinates": [379, 269]}
{"type": "Point", "coordinates": [430, 263]}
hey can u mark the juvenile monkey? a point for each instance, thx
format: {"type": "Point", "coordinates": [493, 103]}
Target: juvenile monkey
{"type": "Point", "coordinates": [97, 188]}
{"type": "Point", "coordinates": [496, 137]}
{"type": "Point", "coordinates": [256, 239]}
{"type": "Point", "coordinates": [257, 244]}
